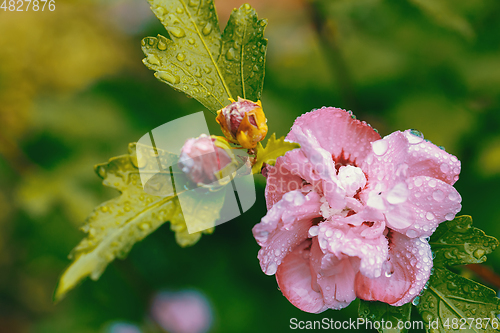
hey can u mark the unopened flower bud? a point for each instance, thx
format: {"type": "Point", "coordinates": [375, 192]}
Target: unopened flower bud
{"type": "Point", "coordinates": [206, 159]}
{"type": "Point", "coordinates": [243, 122]}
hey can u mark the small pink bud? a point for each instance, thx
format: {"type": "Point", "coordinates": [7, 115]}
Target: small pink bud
{"type": "Point", "coordinates": [203, 158]}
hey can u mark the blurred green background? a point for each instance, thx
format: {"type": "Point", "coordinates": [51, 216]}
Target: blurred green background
{"type": "Point", "coordinates": [73, 93]}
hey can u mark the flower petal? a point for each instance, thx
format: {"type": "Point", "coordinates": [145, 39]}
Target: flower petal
{"type": "Point", "coordinates": [333, 277]}
{"type": "Point", "coordinates": [411, 261]}
{"type": "Point", "coordinates": [322, 164]}
{"type": "Point", "coordinates": [337, 132]}
{"type": "Point", "coordinates": [347, 240]}
{"type": "Point", "coordinates": [285, 226]}
{"type": "Point", "coordinates": [430, 202]}
{"type": "Point", "coordinates": [399, 156]}
{"type": "Point", "coordinates": [427, 159]}
{"type": "Point", "coordinates": [280, 181]}
{"type": "Point", "coordinates": [294, 280]}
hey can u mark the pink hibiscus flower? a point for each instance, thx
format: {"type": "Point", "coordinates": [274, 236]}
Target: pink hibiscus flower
{"type": "Point", "coordinates": [349, 214]}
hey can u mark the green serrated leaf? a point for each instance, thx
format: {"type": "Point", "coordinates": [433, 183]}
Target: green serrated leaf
{"type": "Point", "coordinates": [450, 296]}
{"type": "Point", "coordinates": [197, 60]}
{"type": "Point", "coordinates": [453, 298]}
{"type": "Point", "coordinates": [457, 242]}
{"type": "Point", "coordinates": [379, 311]}
{"type": "Point", "coordinates": [243, 55]}
{"type": "Point", "coordinates": [116, 225]}
{"type": "Point", "coordinates": [274, 149]}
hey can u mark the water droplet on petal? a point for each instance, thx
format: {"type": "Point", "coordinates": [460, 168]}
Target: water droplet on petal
{"type": "Point", "coordinates": [380, 147]}
{"type": "Point", "coordinates": [449, 216]}
{"type": "Point", "coordinates": [411, 233]}
{"type": "Point", "coordinates": [415, 137]}
{"type": "Point", "coordinates": [444, 168]}
{"type": "Point", "coordinates": [272, 268]}
{"type": "Point", "coordinates": [438, 195]}
{"type": "Point", "coordinates": [429, 216]}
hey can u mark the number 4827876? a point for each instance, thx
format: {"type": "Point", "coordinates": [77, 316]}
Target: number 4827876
{"type": "Point", "coordinates": [27, 5]}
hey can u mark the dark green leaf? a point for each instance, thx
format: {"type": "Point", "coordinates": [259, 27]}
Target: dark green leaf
{"type": "Point", "coordinates": [457, 242]}
{"type": "Point", "coordinates": [451, 298]}
{"type": "Point", "coordinates": [378, 312]}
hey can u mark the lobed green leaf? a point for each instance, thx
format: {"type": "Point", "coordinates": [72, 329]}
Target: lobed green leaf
{"type": "Point", "coordinates": [198, 60]}
{"type": "Point", "coordinates": [451, 298]}
{"type": "Point", "coordinates": [379, 311]}
{"type": "Point", "coordinates": [116, 225]}
{"type": "Point", "coordinates": [457, 242]}
{"type": "Point", "coordinates": [243, 53]}
{"type": "Point", "coordinates": [274, 149]}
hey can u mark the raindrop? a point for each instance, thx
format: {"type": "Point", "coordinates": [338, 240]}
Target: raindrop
{"type": "Point", "coordinates": [176, 32]}
{"type": "Point", "coordinates": [438, 195]}
{"type": "Point", "coordinates": [416, 301]}
{"type": "Point", "coordinates": [162, 46]}
{"type": "Point", "coordinates": [415, 137]}
{"type": "Point", "coordinates": [444, 168]}
{"type": "Point", "coordinates": [207, 29]}
{"type": "Point", "coordinates": [449, 216]}
{"type": "Point", "coordinates": [181, 57]}
{"type": "Point", "coordinates": [169, 77]}
{"type": "Point", "coordinates": [380, 147]}
{"type": "Point", "coordinates": [411, 233]}
{"type": "Point", "coordinates": [479, 253]}
{"type": "Point", "coordinates": [230, 54]}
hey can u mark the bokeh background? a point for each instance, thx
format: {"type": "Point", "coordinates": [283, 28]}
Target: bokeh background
{"type": "Point", "coordinates": [73, 93]}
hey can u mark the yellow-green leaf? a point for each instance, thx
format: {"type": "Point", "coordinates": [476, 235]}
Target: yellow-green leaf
{"type": "Point", "coordinates": [116, 225]}
{"type": "Point", "coordinates": [243, 55]}
{"type": "Point", "coordinates": [197, 60]}
{"type": "Point", "coordinates": [274, 149]}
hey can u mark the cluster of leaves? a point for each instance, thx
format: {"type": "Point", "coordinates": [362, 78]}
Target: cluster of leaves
{"type": "Point", "coordinates": [212, 68]}
{"type": "Point", "coordinates": [200, 61]}
{"type": "Point", "coordinates": [450, 302]}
